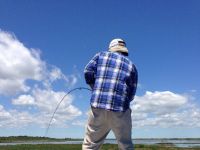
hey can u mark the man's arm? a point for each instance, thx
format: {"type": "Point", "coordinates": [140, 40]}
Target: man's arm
{"type": "Point", "coordinates": [90, 71]}
{"type": "Point", "coordinates": [132, 83]}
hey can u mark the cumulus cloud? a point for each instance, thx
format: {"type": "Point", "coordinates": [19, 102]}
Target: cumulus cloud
{"type": "Point", "coordinates": [12, 86]}
{"type": "Point", "coordinates": [153, 109]}
{"type": "Point", "coordinates": [45, 102]}
{"type": "Point", "coordinates": [24, 100]}
{"type": "Point", "coordinates": [54, 73]}
{"type": "Point", "coordinates": [164, 109]}
{"type": "Point", "coordinates": [17, 64]}
{"type": "Point", "coordinates": [3, 113]}
{"type": "Point", "coordinates": [159, 102]}
{"type": "Point", "coordinates": [14, 118]}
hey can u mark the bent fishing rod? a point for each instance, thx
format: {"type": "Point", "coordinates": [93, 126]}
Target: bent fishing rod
{"type": "Point", "coordinates": [70, 91]}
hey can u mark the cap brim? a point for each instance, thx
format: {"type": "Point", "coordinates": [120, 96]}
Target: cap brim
{"type": "Point", "coordinates": [119, 49]}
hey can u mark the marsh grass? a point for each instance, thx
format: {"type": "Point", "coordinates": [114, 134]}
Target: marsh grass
{"type": "Point", "coordinates": [78, 147]}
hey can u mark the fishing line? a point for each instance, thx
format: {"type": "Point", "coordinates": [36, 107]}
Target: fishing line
{"type": "Point", "coordinates": [72, 90]}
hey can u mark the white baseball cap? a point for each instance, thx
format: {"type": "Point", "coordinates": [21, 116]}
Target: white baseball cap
{"type": "Point", "coordinates": [118, 45]}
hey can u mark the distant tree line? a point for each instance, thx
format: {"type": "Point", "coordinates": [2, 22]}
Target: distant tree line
{"type": "Point", "coordinates": [9, 139]}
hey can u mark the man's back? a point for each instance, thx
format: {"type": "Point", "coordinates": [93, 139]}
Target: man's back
{"type": "Point", "coordinates": [115, 81]}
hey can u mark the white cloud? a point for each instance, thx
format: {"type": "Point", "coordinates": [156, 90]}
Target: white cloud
{"type": "Point", "coordinates": [24, 100]}
{"type": "Point", "coordinates": [159, 102]}
{"type": "Point", "coordinates": [81, 123]}
{"type": "Point", "coordinates": [45, 102]}
{"type": "Point", "coordinates": [17, 119]}
{"type": "Point", "coordinates": [4, 114]}
{"type": "Point", "coordinates": [11, 86]}
{"type": "Point", "coordinates": [164, 109]}
{"type": "Point", "coordinates": [54, 73]}
{"type": "Point", "coordinates": [20, 119]}
{"type": "Point", "coordinates": [17, 64]}
{"type": "Point", "coordinates": [73, 80]}
{"type": "Point", "coordinates": [184, 113]}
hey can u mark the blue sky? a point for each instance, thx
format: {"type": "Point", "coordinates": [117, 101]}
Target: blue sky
{"type": "Point", "coordinates": [45, 45]}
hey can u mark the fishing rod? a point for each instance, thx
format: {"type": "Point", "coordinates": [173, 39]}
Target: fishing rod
{"type": "Point", "coordinates": [70, 91]}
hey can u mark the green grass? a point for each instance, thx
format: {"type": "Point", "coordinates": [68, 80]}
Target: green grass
{"type": "Point", "coordinates": [78, 147]}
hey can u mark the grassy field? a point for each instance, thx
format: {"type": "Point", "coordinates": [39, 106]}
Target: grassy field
{"type": "Point", "coordinates": [78, 147]}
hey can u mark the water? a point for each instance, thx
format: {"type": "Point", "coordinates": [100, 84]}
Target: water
{"type": "Point", "coordinates": [177, 143]}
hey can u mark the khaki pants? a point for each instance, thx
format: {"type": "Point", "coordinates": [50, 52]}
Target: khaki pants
{"type": "Point", "coordinates": [101, 121]}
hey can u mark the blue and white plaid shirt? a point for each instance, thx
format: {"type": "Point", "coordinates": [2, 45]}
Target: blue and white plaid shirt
{"type": "Point", "coordinates": [114, 80]}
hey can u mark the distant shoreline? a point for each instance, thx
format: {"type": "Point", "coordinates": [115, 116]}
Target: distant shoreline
{"type": "Point", "coordinates": [10, 139]}
{"type": "Point", "coordinates": [33, 141]}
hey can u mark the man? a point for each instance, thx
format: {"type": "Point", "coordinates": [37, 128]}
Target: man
{"type": "Point", "coordinates": [113, 79]}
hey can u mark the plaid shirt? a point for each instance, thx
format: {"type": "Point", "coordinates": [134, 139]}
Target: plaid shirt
{"type": "Point", "coordinates": [113, 78]}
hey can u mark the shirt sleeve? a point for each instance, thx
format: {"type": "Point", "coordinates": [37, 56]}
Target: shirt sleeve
{"type": "Point", "coordinates": [90, 70]}
{"type": "Point", "coordinates": [132, 83]}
